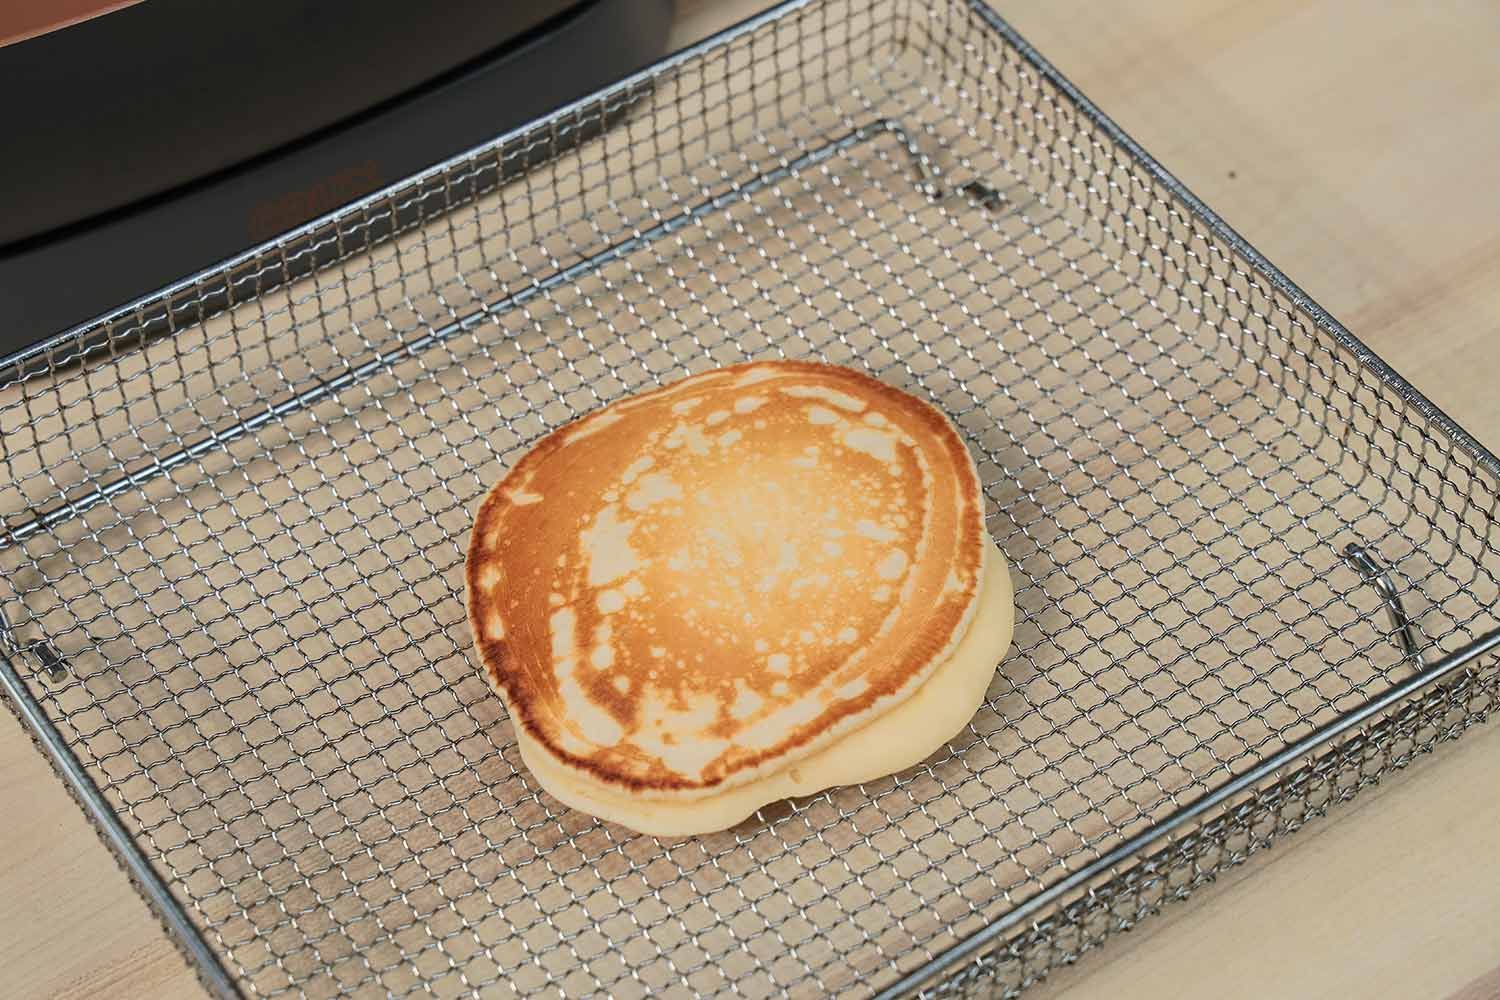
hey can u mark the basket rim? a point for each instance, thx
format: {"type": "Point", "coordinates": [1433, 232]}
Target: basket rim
{"type": "Point", "coordinates": [996, 931]}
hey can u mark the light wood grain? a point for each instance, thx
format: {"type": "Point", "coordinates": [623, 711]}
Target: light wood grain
{"type": "Point", "coordinates": [1355, 146]}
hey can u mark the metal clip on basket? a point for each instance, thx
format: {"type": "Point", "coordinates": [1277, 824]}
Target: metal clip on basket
{"type": "Point", "coordinates": [1256, 570]}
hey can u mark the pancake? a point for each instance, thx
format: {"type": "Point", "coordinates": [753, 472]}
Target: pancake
{"type": "Point", "coordinates": [692, 591]}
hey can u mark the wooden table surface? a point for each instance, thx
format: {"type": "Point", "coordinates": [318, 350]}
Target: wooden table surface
{"type": "Point", "coordinates": [1356, 144]}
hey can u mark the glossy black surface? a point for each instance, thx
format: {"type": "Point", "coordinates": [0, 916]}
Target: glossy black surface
{"type": "Point", "coordinates": [75, 272]}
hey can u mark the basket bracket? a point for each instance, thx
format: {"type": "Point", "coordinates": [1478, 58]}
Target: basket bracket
{"type": "Point", "coordinates": [1379, 577]}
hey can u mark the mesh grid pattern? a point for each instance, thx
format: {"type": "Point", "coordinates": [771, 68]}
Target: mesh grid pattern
{"type": "Point", "coordinates": [265, 660]}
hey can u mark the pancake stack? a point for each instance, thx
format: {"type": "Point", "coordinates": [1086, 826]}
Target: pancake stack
{"type": "Point", "coordinates": [754, 583]}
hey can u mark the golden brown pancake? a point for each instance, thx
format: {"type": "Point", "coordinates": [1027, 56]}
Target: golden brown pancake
{"type": "Point", "coordinates": [695, 588]}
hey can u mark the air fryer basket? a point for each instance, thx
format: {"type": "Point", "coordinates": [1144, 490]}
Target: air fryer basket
{"type": "Point", "coordinates": [1255, 569]}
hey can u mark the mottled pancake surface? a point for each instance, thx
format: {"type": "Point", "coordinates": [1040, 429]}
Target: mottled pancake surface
{"type": "Point", "coordinates": [696, 586]}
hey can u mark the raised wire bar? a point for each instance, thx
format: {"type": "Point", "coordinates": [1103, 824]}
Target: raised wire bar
{"type": "Point", "coordinates": [1255, 569]}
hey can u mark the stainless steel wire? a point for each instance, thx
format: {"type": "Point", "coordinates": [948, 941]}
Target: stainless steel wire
{"type": "Point", "coordinates": [232, 555]}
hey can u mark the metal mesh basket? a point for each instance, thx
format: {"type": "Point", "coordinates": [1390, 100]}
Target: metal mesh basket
{"type": "Point", "coordinates": [1255, 569]}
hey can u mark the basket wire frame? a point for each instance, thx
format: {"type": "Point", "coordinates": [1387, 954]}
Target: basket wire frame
{"type": "Point", "coordinates": [1255, 570]}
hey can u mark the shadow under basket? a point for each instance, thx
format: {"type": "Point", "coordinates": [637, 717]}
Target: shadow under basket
{"type": "Point", "coordinates": [1254, 569]}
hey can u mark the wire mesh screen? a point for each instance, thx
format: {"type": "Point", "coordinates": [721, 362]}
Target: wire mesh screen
{"type": "Point", "coordinates": [233, 559]}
